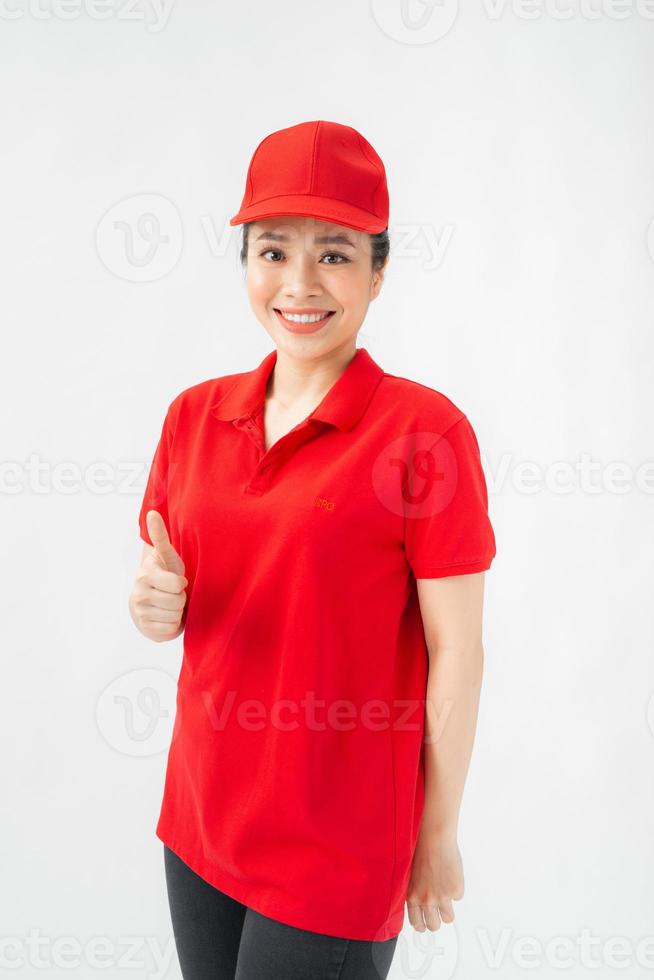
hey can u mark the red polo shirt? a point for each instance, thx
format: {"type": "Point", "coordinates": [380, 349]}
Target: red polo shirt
{"type": "Point", "coordinates": [294, 780]}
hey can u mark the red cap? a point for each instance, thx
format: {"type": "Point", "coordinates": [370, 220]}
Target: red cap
{"type": "Point", "coordinates": [319, 169]}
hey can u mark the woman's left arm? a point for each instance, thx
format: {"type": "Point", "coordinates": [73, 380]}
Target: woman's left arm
{"type": "Point", "coordinates": [451, 609]}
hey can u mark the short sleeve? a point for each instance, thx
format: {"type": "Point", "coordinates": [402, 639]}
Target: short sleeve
{"type": "Point", "coordinates": [447, 530]}
{"type": "Point", "coordinates": [155, 496]}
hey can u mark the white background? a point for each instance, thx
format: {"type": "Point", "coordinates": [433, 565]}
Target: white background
{"type": "Point", "coordinates": [520, 139]}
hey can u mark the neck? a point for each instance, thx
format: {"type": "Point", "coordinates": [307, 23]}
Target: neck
{"type": "Point", "coordinates": [295, 381]}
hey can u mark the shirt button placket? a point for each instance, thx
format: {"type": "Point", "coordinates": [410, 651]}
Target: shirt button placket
{"type": "Point", "coordinates": [282, 449]}
{"type": "Point", "coordinates": [263, 476]}
{"type": "Point", "coordinates": [246, 422]}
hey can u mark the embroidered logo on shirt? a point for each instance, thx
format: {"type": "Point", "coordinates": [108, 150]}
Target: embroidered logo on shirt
{"type": "Point", "coordinates": [323, 503]}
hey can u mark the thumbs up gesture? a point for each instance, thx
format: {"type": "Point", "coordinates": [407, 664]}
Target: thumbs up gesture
{"type": "Point", "coordinates": [164, 553]}
{"type": "Point", "coordinates": [158, 598]}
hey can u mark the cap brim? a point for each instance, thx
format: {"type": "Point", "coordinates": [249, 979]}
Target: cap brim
{"type": "Point", "coordinates": [324, 209]}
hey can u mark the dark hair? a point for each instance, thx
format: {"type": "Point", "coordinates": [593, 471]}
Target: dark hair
{"type": "Point", "coordinates": [380, 247]}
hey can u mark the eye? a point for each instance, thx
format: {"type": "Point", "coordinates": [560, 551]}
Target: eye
{"type": "Point", "coordinates": [336, 255]}
{"type": "Point", "coordinates": [267, 251]}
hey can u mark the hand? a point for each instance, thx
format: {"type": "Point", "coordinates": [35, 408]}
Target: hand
{"type": "Point", "coordinates": [158, 598]}
{"type": "Point", "coordinates": [436, 879]}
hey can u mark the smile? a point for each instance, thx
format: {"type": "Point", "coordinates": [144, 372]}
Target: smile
{"type": "Point", "coordinates": [303, 322]}
{"type": "Point", "coordinates": [305, 317]}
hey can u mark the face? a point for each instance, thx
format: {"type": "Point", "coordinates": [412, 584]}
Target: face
{"type": "Point", "coordinates": [301, 265]}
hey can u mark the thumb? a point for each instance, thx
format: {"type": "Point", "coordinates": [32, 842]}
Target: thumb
{"type": "Point", "coordinates": [164, 549]}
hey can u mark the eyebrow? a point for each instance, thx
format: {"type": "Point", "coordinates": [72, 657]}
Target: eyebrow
{"type": "Point", "coordinates": [339, 239]}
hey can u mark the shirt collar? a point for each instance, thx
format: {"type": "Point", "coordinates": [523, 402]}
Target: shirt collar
{"type": "Point", "coordinates": [343, 405]}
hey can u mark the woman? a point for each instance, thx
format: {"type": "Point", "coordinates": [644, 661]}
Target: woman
{"type": "Point", "coordinates": [318, 530]}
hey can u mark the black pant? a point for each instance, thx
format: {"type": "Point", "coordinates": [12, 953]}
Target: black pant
{"type": "Point", "coordinates": [218, 938]}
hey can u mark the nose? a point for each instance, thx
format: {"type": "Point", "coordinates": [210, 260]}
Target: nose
{"type": "Point", "coordinates": [301, 278]}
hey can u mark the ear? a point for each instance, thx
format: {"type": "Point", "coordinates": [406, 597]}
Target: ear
{"type": "Point", "coordinates": [377, 281]}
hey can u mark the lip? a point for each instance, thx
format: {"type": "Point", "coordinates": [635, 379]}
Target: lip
{"type": "Point", "coordinates": [304, 327]}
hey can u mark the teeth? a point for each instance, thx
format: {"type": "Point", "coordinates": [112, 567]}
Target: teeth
{"type": "Point", "coordinates": [304, 317]}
